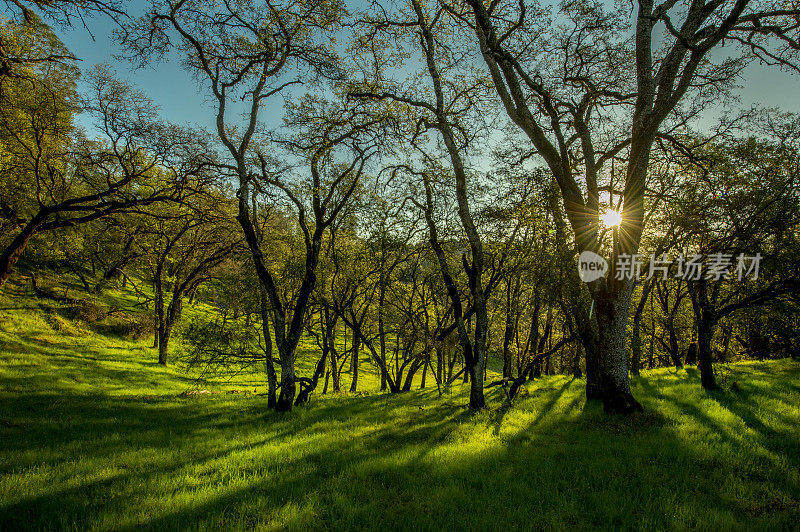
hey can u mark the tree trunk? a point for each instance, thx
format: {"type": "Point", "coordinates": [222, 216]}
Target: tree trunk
{"type": "Point", "coordinates": [533, 336]}
{"type": "Point", "coordinates": [10, 255]}
{"type": "Point", "coordinates": [272, 378]}
{"type": "Point", "coordinates": [167, 321]}
{"type": "Point", "coordinates": [576, 361]}
{"type": "Point", "coordinates": [309, 387]}
{"type": "Point", "coordinates": [425, 370]}
{"type": "Point", "coordinates": [705, 321]}
{"type": "Point", "coordinates": [612, 320]}
{"type": "Point", "coordinates": [156, 331]}
{"type": "Point", "coordinates": [587, 335]}
{"type": "Point", "coordinates": [163, 345]}
{"type": "Point", "coordinates": [691, 354]}
{"type": "Point", "coordinates": [160, 320]}
{"type": "Point", "coordinates": [440, 363]}
{"type": "Point", "coordinates": [548, 330]}
{"type": "Point", "coordinates": [412, 370]}
{"type": "Point", "coordinates": [705, 332]}
{"type": "Point", "coordinates": [381, 325]}
{"type": "Point", "coordinates": [509, 333]}
{"type": "Point", "coordinates": [651, 357]}
{"type": "Point", "coordinates": [636, 339]}
{"type": "Point", "coordinates": [354, 362]}
{"type": "Point", "coordinates": [335, 381]}
{"type": "Point", "coordinates": [288, 385]}
{"type": "Point", "coordinates": [636, 346]}
{"type": "Point", "coordinates": [594, 378]}
{"type": "Point", "coordinates": [332, 353]}
{"type": "Point", "coordinates": [674, 348]}
{"type": "Point", "coordinates": [354, 324]}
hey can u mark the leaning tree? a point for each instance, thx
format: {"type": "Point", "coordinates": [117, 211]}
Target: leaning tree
{"type": "Point", "coordinates": [55, 177]}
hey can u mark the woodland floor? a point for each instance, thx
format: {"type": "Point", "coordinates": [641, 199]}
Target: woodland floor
{"type": "Point", "coordinates": [95, 435]}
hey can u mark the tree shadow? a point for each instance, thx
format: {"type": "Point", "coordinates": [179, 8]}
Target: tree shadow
{"type": "Point", "coordinates": [389, 461]}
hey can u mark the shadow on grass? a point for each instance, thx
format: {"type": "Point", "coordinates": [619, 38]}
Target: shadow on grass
{"type": "Point", "coordinates": [407, 461]}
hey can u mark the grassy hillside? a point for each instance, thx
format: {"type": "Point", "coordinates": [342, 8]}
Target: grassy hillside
{"type": "Point", "coordinates": [95, 435]}
{"type": "Point", "coordinates": [112, 334]}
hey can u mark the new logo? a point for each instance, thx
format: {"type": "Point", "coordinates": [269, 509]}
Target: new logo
{"type": "Point", "coordinates": [591, 266]}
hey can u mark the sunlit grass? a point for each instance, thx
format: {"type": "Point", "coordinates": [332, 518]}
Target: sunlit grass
{"type": "Point", "coordinates": [95, 435]}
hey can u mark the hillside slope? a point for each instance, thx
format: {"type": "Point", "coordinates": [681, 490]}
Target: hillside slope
{"type": "Point", "coordinates": [95, 435]}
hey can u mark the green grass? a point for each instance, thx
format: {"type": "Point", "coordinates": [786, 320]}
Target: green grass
{"type": "Point", "coordinates": [95, 435]}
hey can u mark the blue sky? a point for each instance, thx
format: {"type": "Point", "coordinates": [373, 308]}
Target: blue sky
{"type": "Point", "coordinates": [173, 89]}
{"type": "Point", "coordinates": [181, 100]}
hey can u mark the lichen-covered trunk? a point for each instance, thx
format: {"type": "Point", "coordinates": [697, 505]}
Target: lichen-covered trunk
{"type": "Point", "coordinates": [612, 320]}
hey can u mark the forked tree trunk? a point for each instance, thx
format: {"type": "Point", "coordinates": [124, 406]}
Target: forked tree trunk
{"type": "Point", "coordinates": [412, 371]}
{"type": "Point", "coordinates": [311, 384]}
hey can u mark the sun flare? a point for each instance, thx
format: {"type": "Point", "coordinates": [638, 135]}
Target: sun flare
{"type": "Point", "coordinates": [610, 218]}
